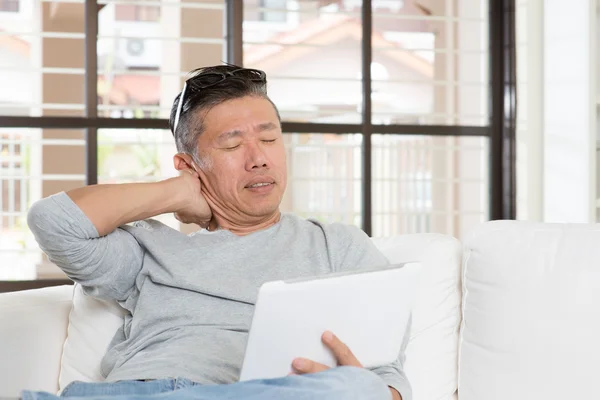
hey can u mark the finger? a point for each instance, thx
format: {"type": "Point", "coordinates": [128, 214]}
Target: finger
{"type": "Point", "coordinates": [342, 353]}
{"type": "Point", "coordinates": [304, 366]}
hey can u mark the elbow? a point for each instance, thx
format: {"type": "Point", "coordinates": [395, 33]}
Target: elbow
{"type": "Point", "coordinates": [45, 223]}
{"type": "Point", "coordinates": [37, 216]}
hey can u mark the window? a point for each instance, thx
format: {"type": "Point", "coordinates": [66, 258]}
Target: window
{"type": "Point", "coordinates": [428, 67]}
{"type": "Point", "coordinates": [34, 163]}
{"type": "Point", "coordinates": [427, 165]}
{"type": "Point", "coordinates": [9, 5]}
{"type": "Point", "coordinates": [324, 177]}
{"type": "Point", "coordinates": [141, 67]}
{"type": "Point", "coordinates": [130, 12]}
{"type": "Point", "coordinates": [277, 12]}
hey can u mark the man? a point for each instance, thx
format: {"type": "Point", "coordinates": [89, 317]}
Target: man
{"type": "Point", "coordinates": [190, 298]}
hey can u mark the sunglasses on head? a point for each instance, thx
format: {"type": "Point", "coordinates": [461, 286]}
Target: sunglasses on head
{"type": "Point", "coordinates": [209, 79]}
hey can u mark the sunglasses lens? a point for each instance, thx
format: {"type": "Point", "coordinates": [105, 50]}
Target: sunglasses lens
{"type": "Point", "coordinates": [251, 74]}
{"type": "Point", "coordinates": [207, 79]}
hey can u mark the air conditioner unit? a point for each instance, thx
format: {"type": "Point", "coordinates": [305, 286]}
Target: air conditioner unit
{"type": "Point", "coordinates": [134, 50]}
{"type": "Point", "coordinates": [140, 53]}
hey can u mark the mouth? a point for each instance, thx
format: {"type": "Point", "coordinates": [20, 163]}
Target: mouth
{"type": "Point", "coordinates": [259, 184]}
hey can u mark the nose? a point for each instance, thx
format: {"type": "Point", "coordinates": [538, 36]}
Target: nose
{"type": "Point", "coordinates": [256, 157]}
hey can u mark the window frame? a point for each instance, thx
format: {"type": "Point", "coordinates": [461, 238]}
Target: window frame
{"type": "Point", "coordinates": [500, 131]}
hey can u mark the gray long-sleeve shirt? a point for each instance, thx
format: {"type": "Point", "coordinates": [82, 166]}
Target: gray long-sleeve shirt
{"type": "Point", "coordinates": [190, 298]}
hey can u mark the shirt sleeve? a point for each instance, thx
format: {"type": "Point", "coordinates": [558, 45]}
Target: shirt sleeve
{"type": "Point", "coordinates": [393, 374]}
{"type": "Point", "coordinates": [352, 249]}
{"type": "Point", "coordinates": [105, 266]}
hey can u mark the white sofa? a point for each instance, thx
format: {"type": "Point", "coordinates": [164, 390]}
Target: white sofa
{"type": "Point", "coordinates": [513, 313]}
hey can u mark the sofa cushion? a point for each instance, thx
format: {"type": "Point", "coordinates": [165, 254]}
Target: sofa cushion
{"type": "Point", "coordinates": [432, 353]}
{"type": "Point", "coordinates": [33, 327]}
{"type": "Point", "coordinates": [431, 363]}
{"type": "Point", "coordinates": [531, 323]}
{"type": "Point", "coordinates": [92, 325]}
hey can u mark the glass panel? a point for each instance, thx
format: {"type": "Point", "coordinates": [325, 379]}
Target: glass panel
{"type": "Point", "coordinates": [430, 64]}
{"type": "Point", "coordinates": [137, 155]}
{"type": "Point", "coordinates": [310, 51]}
{"type": "Point", "coordinates": [324, 177]}
{"type": "Point", "coordinates": [34, 163]}
{"type": "Point", "coordinates": [429, 184]}
{"type": "Point", "coordinates": [145, 52]}
{"type": "Point", "coordinates": [9, 6]}
{"type": "Point", "coordinates": [42, 58]}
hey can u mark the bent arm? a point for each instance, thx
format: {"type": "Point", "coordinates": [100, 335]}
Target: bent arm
{"type": "Point", "coordinates": [79, 233]}
{"type": "Point", "coordinates": [111, 206]}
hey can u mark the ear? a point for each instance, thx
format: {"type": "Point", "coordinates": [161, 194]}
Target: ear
{"type": "Point", "coordinates": [183, 162]}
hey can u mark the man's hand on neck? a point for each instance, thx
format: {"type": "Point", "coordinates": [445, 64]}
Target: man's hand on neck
{"type": "Point", "coordinates": [192, 207]}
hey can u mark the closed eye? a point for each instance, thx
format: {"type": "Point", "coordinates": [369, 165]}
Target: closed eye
{"type": "Point", "coordinates": [232, 148]}
{"type": "Point", "coordinates": [269, 141]}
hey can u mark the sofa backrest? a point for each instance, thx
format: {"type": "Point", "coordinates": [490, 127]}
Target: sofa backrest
{"type": "Point", "coordinates": [531, 312]}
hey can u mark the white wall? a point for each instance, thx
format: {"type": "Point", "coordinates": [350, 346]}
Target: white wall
{"type": "Point", "coordinates": [569, 105]}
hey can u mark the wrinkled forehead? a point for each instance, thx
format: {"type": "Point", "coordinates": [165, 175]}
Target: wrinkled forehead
{"type": "Point", "coordinates": [241, 116]}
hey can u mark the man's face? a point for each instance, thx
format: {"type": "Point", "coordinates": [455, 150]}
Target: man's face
{"type": "Point", "coordinates": [243, 169]}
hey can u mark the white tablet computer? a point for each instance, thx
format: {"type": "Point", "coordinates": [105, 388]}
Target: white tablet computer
{"type": "Point", "coordinates": [368, 310]}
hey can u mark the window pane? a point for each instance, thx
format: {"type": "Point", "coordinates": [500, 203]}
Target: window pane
{"type": "Point", "coordinates": [138, 155]}
{"type": "Point", "coordinates": [145, 52]}
{"type": "Point", "coordinates": [430, 64]}
{"type": "Point", "coordinates": [324, 177]}
{"type": "Point", "coordinates": [429, 184]}
{"type": "Point", "coordinates": [42, 59]}
{"type": "Point", "coordinates": [135, 155]}
{"type": "Point", "coordinates": [34, 163]}
{"type": "Point", "coordinates": [9, 6]}
{"type": "Point", "coordinates": [311, 52]}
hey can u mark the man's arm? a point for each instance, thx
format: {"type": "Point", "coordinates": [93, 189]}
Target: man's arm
{"type": "Point", "coordinates": [395, 394]}
{"type": "Point", "coordinates": [111, 206]}
{"type": "Point", "coordinates": [393, 375]}
{"type": "Point", "coordinates": [79, 230]}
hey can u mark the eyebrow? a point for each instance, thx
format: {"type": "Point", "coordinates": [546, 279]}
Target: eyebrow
{"type": "Point", "coordinates": [265, 126]}
{"type": "Point", "coordinates": [228, 135]}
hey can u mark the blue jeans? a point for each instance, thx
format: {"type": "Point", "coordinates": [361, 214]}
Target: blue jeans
{"type": "Point", "coordinates": [343, 383]}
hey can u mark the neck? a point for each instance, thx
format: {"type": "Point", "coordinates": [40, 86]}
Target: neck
{"type": "Point", "coordinates": [243, 228]}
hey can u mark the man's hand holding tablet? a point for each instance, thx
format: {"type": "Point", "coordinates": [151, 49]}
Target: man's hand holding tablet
{"type": "Point", "coordinates": [343, 355]}
{"type": "Point", "coordinates": [293, 326]}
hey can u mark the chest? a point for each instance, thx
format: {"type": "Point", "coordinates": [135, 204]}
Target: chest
{"type": "Point", "coordinates": [233, 270]}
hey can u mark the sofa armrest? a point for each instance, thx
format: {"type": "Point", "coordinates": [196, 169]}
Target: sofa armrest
{"type": "Point", "coordinates": [33, 328]}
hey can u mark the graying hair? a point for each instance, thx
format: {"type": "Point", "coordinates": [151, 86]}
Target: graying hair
{"type": "Point", "coordinates": [197, 102]}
